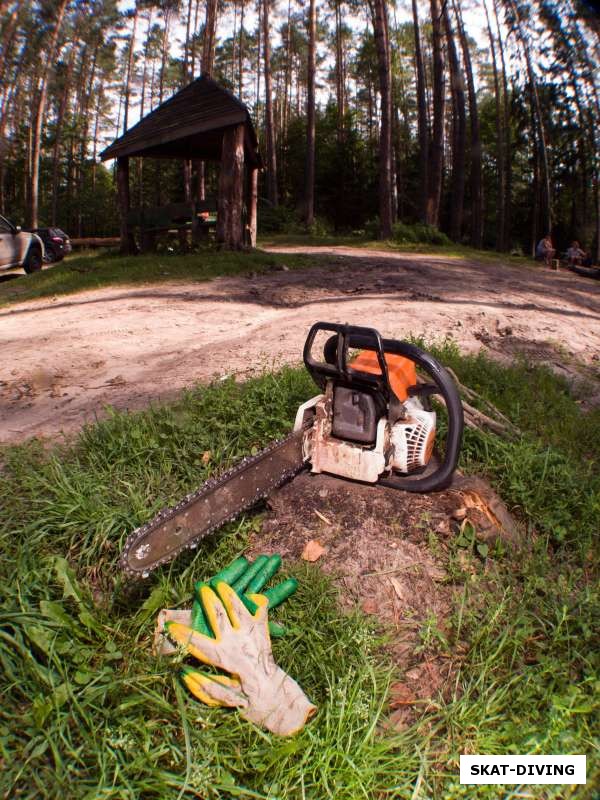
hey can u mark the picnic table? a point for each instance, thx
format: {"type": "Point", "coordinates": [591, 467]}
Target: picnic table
{"type": "Point", "coordinates": [190, 222]}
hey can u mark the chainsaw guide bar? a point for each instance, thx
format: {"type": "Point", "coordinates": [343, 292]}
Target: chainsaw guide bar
{"type": "Point", "coordinates": [216, 502]}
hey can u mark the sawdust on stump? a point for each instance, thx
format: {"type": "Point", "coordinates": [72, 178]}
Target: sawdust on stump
{"type": "Point", "coordinates": [388, 551]}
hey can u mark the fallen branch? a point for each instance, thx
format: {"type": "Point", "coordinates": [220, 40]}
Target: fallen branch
{"type": "Point", "coordinates": [475, 419]}
{"type": "Point", "coordinates": [472, 395]}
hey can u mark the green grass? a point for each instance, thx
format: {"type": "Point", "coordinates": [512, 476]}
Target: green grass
{"type": "Point", "coordinates": [451, 251]}
{"type": "Point", "coordinates": [95, 270]}
{"type": "Point", "coordinates": [87, 712]}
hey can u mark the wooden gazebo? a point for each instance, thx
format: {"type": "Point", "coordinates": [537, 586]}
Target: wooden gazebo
{"type": "Point", "coordinates": [203, 122]}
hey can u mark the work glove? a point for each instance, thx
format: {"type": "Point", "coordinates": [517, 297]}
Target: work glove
{"type": "Point", "coordinates": [262, 691]}
{"type": "Point", "coordinates": [244, 577]}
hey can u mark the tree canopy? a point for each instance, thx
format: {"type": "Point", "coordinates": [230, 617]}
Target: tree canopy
{"type": "Point", "coordinates": [478, 117]}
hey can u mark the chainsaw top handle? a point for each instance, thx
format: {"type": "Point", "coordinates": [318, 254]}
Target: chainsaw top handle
{"type": "Point", "coordinates": [335, 351]}
{"type": "Point", "coordinates": [335, 366]}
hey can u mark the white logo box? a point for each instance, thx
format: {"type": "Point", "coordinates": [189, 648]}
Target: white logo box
{"type": "Point", "coordinates": [522, 769]}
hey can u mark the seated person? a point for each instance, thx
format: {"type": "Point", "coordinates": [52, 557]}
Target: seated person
{"type": "Point", "coordinates": [545, 250]}
{"type": "Point", "coordinates": [575, 255]}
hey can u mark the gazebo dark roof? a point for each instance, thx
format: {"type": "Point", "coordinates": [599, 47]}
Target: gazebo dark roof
{"type": "Point", "coordinates": [190, 124]}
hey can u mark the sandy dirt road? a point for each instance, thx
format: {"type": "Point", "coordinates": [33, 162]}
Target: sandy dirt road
{"type": "Point", "coordinates": [65, 358]}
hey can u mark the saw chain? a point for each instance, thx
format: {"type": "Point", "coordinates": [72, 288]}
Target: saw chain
{"type": "Point", "coordinates": [219, 500]}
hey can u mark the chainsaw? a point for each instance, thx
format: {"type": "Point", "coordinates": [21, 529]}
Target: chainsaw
{"type": "Point", "coordinates": [373, 421]}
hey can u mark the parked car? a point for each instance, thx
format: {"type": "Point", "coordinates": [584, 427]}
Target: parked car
{"type": "Point", "coordinates": [20, 248]}
{"type": "Point", "coordinates": [56, 243]}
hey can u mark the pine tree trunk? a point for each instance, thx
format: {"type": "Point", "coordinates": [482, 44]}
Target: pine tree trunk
{"type": "Point", "coordinates": [309, 185]}
{"type": "Point", "coordinates": [127, 242]}
{"type": "Point", "coordinates": [130, 61]}
{"type": "Point", "coordinates": [187, 45]}
{"type": "Point", "coordinates": [231, 189]}
{"type": "Point", "coordinates": [252, 204]}
{"type": "Point", "coordinates": [338, 71]}
{"type": "Point", "coordinates": [423, 128]}
{"type": "Point", "coordinates": [187, 164]}
{"type": "Point", "coordinates": [597, 210]}
{"type": "Point", "coordinates": [241, 53]}
{"type": "Point", "coordinates": [258, 52]}
{"type": "Point", "coordinates": [287, 89]}
{"type": "Point", "coordinates": [64, 100]}
{"type": "Point", "coordinates": [206, 68]}
{"type": "Point", "coordinates": [537, 110]}
{"type": "Point", "coordinates": [210, 34]}
{"type": "Point", "coordinates": [436, 156]}
{"type": "Point", "coordinates": [506, 201]}
{"type": "Point", "coordinates": [233, 43]}
{"type": "Point", "coordinates": [85, 108]}
{"type": "Point", "coordinates": [382, 45]}
{"type": "Point", "coordinates": [459, 127]}
{"type": "Point", "coordinates": [501, 175]}
{"type": "Point", "coordinates": [476, 149]}
{"type": "Point", "coordinates": [193, 44]}
{"type": "Point", "coordinates": [8, 36]}
{"type": "Point", "coordinates": [272, 191]}
{"type": "Point", "coordinates": [38, 115]}
{"type": "Point", "coordinates": [164, 55]}
{"type": "Point", "coordinates": [535, 193]}
{"type": "Point", "coordinates": [140, 161]}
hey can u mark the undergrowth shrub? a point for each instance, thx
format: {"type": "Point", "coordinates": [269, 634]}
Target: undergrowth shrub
{"type": "Point", "coordinates": [419, 233]}
{"type": "Point", "coordinates": [274, 219]}
{"type": "Point", "coordinates": [405, 233]}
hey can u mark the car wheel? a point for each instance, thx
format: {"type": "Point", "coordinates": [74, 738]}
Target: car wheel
{"type": "Point", "coordinates": [33, 262]}
{"type": "Point", "coordinates": [50, 256]}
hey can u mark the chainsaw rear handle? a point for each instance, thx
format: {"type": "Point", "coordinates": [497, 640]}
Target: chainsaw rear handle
{"type": "Point", "coordinates": [336, 367]}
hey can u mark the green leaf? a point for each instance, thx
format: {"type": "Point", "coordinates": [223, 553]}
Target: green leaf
{"type": "Point", "coordinates": [43, 705]}
{"type": "Point", "coordinates": [113, 655]}
{"type": "Point", "coordinates": [89, 621]}
{"type": "Point", "coordinates": [66, 577]}
{"type": "Point", "coordinates": [82, 677]}
{"type": "Point", "coordinates": [55, 612]}
{"type": "Point", "coordinates": [41, 637]}
{"type": "Point", "coordinates": [483, 549]}
{"type": "Point", "coordinates": [154, 602]}
{"type": "Point", "coordinates": [39, 750]}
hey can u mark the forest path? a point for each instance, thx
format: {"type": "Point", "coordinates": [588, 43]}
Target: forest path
{"type": "Point", "coordinates": [64, 359]}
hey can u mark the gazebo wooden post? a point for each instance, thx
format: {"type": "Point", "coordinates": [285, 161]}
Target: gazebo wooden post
{"type": "Point", "coordinates": [251, 205]}
{"type": "Point", "coordinates": [127, 242]}
{"type": "Point", "coordinates": [230, 232]}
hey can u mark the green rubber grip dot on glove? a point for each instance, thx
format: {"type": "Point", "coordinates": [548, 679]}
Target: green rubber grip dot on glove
{"type": "Point", "coordinates": [232, 573]}
{"type": "Point", "coordinates": [281, 592]}
{"type": "Point", "coordinates": [242, 582]}
{"type": "Point", "coordinates": [264, 576]}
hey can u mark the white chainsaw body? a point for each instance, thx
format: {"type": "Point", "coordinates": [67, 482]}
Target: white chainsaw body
{"type": "Point", "coordinates": [404, 446]}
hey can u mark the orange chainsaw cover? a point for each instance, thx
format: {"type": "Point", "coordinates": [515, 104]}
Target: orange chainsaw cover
{"type": "Point", "coordinates": [401, 370]}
